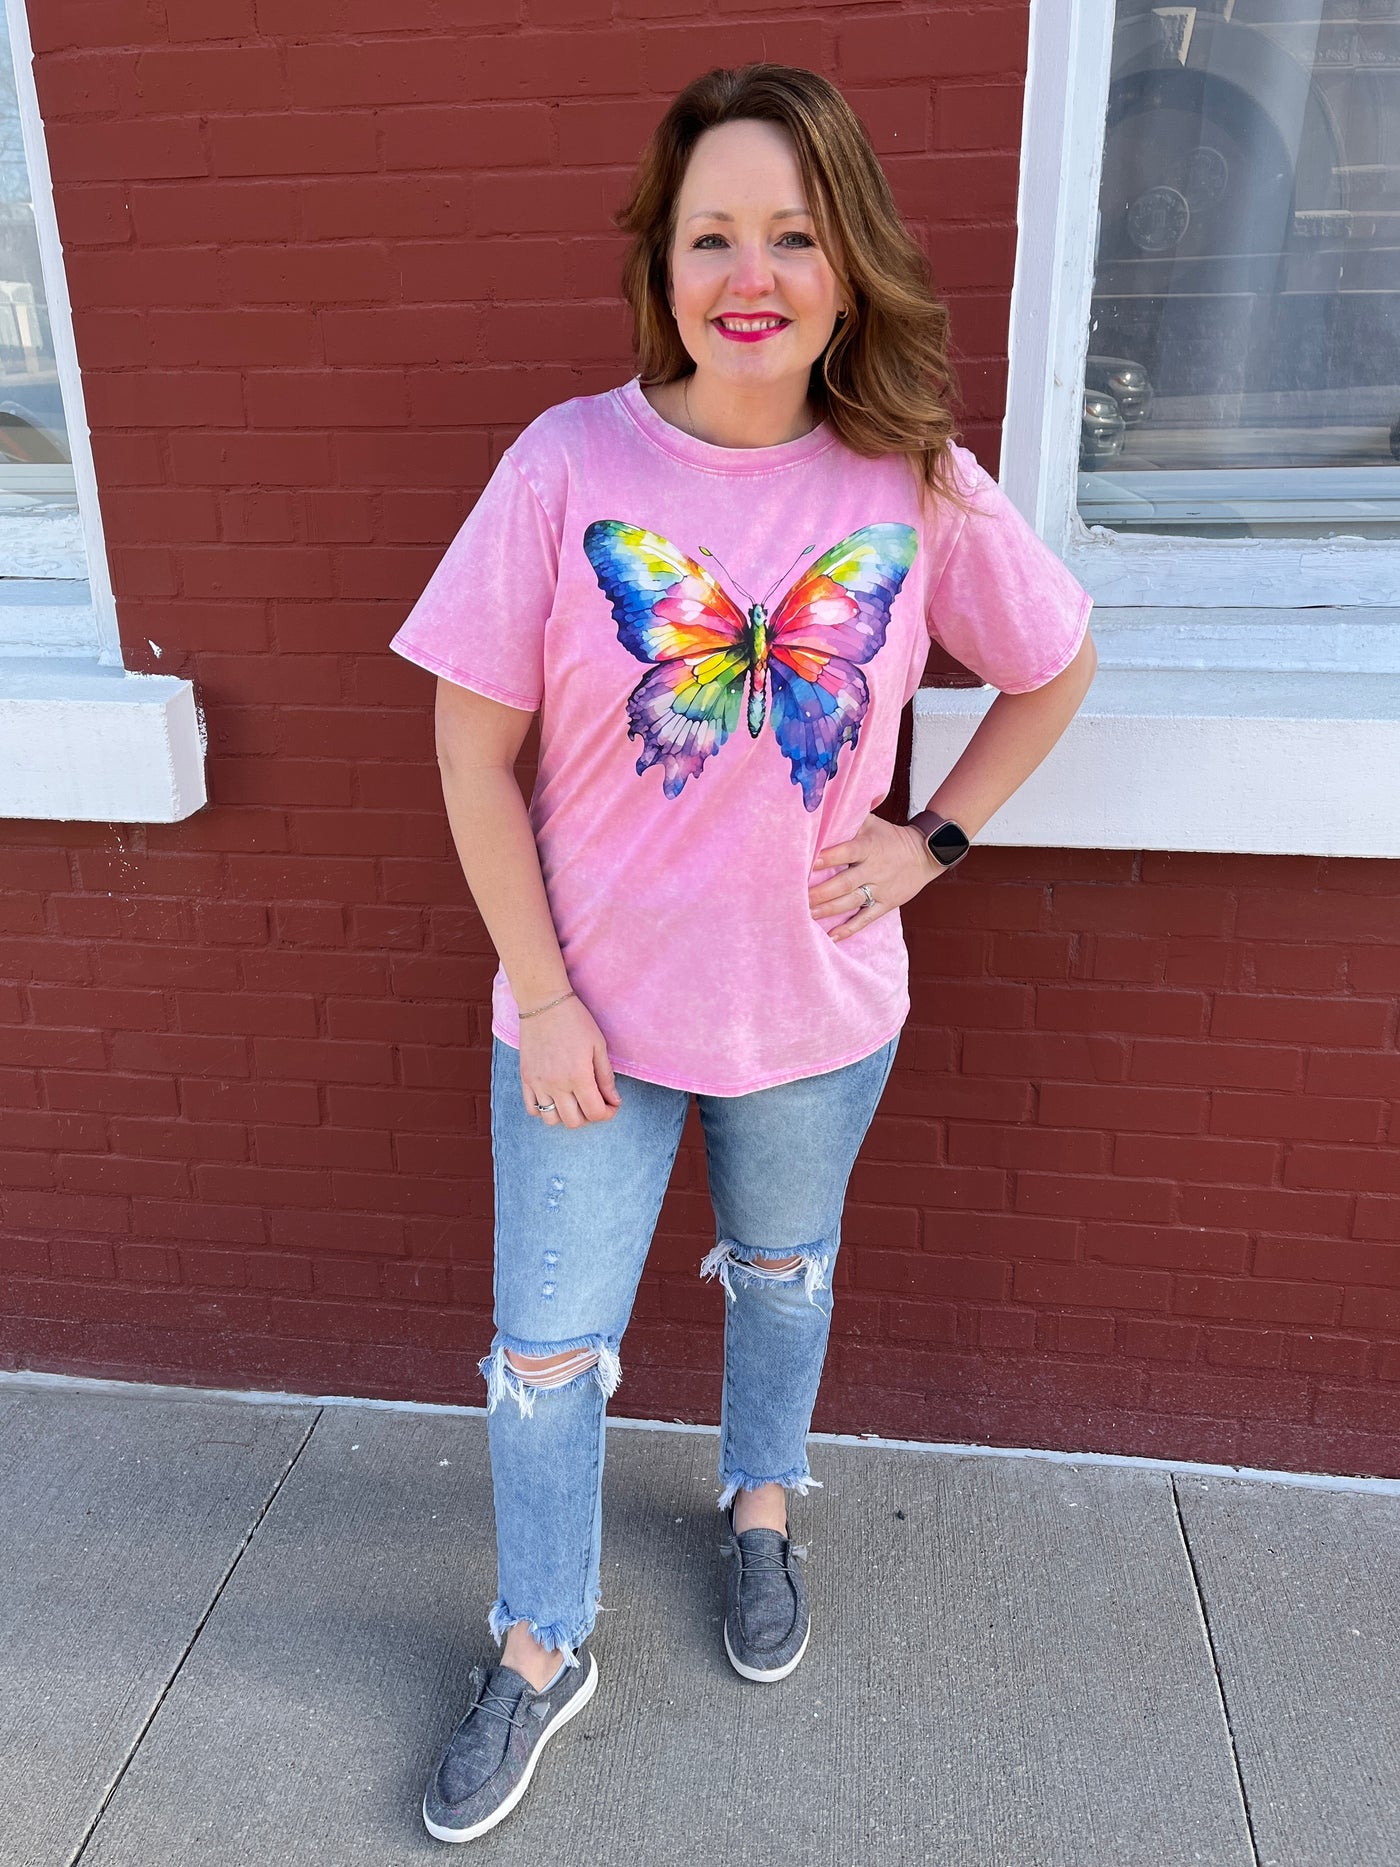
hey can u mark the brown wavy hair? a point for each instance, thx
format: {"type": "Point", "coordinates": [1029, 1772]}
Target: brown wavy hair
{"type": "Point", "coordinates": [885, 380]}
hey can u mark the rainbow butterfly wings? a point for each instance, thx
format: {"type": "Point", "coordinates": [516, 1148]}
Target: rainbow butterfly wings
{"type": "Point", "coordinates": [801, 664]}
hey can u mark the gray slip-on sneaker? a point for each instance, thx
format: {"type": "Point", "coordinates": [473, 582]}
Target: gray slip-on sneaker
{"type": "Point", "coordinates": [487, 1767]}
{"type": "Point", "coordinates": [767, 1622]}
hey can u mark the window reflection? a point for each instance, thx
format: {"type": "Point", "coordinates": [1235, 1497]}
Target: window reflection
{"type": "Point", "coordinates": [33, 433]}
{"type": "Point", "coordinates": [1244, 337]}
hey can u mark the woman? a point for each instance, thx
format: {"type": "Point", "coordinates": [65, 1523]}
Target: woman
{"type": "Point", "coordinates": [716, 585]}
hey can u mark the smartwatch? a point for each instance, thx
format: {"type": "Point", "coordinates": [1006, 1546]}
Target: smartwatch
{"type": "Point", "coordinates": [947, 841]}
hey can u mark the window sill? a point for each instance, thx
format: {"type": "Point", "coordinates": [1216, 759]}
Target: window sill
{"type": "Point", "coordinates": [1265, 759]}
{"type": "Point", "coordinates": [84, 742]}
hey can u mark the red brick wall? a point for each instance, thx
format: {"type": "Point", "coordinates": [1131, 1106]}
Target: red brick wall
{"type": "Point", "coordinates": [1134, 1184]}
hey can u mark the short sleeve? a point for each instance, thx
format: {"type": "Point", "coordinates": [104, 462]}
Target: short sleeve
{"type": "Point", "coordinates": [1005, 606]}
{"type": "Point", "coordinates": [481, 618]}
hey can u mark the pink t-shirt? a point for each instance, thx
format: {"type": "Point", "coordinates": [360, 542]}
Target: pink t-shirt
{"type": "Point", "coordinates": [698, 744]}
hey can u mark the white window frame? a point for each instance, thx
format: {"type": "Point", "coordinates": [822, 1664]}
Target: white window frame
{"type": "Point", "coordinates": [82, 738]}
{"type": "Point", "coordinates": [1066, 106]}
{"type": "Point", "coordinates": [1248, 695]}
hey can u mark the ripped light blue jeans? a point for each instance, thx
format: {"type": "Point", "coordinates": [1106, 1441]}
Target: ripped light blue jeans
{"type": "Point", "coordinates": [575, 1213]}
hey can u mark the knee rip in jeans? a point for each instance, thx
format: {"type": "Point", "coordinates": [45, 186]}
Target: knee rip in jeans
{"type": "Point", "coordinates": [525, 1369]}
{"type": "Point", "coordinates": [754, 1267]}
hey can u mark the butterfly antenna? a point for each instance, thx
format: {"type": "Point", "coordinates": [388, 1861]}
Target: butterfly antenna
{"type": "Point", "coordinates": [707, 553]}
{"type": "Point", "coordinates": [787, 573]}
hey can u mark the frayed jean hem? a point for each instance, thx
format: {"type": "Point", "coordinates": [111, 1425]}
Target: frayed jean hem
{"type": "Point", "coordinates": [799, 1479]}
{"type": "Point", "coordinates": [553, 1636]}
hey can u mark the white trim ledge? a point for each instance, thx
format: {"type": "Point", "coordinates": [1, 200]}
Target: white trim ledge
{"type": "Point", "coordinates": [262, 1397]}
{"type": "Point", "coordinates": [1248, 760]}
{"type": "Point", "coordinates": [90, 743]}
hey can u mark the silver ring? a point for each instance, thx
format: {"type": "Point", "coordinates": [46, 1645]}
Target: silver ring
{"type": "Point", "coordinates": [868, 892]}
{"type": "Point", "coordinates": [544, 1108]}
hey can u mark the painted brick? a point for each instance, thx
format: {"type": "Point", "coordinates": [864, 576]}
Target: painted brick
{"type": "Point", "coordinates": [1093, 1197]}
{"type": "Point", "coordinates": [1245, 1348]}
{"type": "Point", "coordinates": [1030, 956]}
{"type": "Point", "coordinates": [477, 136]}
{"type": "Point", "coordinates": [110, 1173]}
{"type": "Point", "coordinates": [924, 1322]}
{"type": "Point", "coordinates": [1236, 1397]}
{"type": "Point", "coordinates": [977, 116]}
{"type": "Point", "coordinates": [673, 55]}
{"type": "Point", "coordinates": [1312, 1118]}
{"type": "Point", "coordinates": [157, 146]}
{"type": "Point", "coordinates": [1348, 1169]}
{"type": "Point", "coordinates": [1183, 912]}
{"type": "Point", "coordinates": [82, 1257]}
{"type": "Point", "coordinates": [1259, 1207]}
{"type": "Point", "coordinates": [1056, 1150]}
{"type": "Point", "coordinates": [900, 1275]}
{"type": "Point", "coordinates": [1377, 1218]}
{"type": "Point", "coordinates": [949, 186]}
{"type": "Point", "coordinates": [1081, 1334]}
{"type": "Point", "coordinates": [38, 1209]}
{"type": "Point", "coordinates": [1105, 1286]}
{"type": "Point", "coordinates": [1360, 1410]}
{"type": "Point", "coordinates": [1171, 1247]}
{"type": "Point", "coordinates": [1330, 1259]}
{"type": "Point", "coordinates": [1103, 1205]}
{"type": "Point", "coordinates": [1003, 1235]}
{"type": "Point", "coordinates": [1198, 1159]}
{"type": "Point", "coordinates": [1374, 969]}
{"type": "Point", "coordinates": [1006, 1328]}
{"type": "Point", "coordinates": [1257, 1300]}
{"type": "Point", "coordinates": [1219, 1065]}
{"type": "Point", "coordinates": [1329, 1354]}
{"type": "Point", "coordinates": [1289, 1019]}
{"type": "Point", "coordinates": [1370, 1309]}
{"type": "Point", "coordinates": [971, 256]}
{"type": "Point", "coordinates": [319, 1061]}
{"type": "Point", "coordinates": [1152, 1111]}
{"type": "Point", "coordinates": [1300, 968]}
{"type": "Point", "coordinates": [1346, 918]}
{"type": "Point", "coordinates": [1353, 1073]}
{"type": "Point", "coordinates": [300, 1230]}
{"type": "Point", "coordinates": [934, 43]}
{"type": "Point", "coordinates": [1154, 1014]}
{"type": "Point", "coordinates": [1152, 1339]}
{"type": "Point", "coordinates": [39, 1045]}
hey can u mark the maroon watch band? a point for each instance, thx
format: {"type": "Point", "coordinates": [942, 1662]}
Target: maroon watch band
{"type": "Point", "coordinates": [947, 841]}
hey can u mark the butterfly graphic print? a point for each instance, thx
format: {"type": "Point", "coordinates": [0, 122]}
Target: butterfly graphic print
{"type": "Point", "coordinates": [801, 664]}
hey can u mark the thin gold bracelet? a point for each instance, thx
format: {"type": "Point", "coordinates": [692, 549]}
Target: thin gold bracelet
{"type": "Point", "coordinates": [550, 1006]}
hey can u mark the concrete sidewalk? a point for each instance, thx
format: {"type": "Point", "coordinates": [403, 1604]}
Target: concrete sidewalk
{"type": "Point", "coordinates": [238, 1634]}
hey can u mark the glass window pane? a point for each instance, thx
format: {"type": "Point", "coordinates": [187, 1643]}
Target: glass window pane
{"type": "Point", "coordinates": [1244, 338]}
{"type": "Point", "coordinates": [35, 463]}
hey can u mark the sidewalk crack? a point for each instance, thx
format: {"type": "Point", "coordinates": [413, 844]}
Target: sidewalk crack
{"type": "Point", "coordinates": [1220, 1692]}
{"type": "Point", "coordinates": [179, 1667]}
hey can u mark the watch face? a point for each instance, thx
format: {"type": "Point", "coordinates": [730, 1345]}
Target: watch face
{"type": "Point", "coordinates": [948, 842]}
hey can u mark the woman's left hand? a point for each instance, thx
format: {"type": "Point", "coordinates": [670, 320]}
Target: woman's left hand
{"type": "Point", "coordinates": [890, 859]}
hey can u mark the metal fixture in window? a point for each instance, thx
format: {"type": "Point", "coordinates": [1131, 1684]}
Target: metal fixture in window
{"type": "Point", "coordinates": [1249, 265]}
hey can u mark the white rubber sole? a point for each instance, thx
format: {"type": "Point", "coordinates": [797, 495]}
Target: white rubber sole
{"type": "Point", "coordinates": [575, 1704]}
{"type": "Point", "coordinates": [778, 1672]}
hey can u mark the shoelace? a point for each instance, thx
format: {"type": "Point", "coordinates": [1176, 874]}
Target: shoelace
{"type": "Point", "coordinates": [487, 1692]}
{"type": "Point", "coordinates": [754, 1558]}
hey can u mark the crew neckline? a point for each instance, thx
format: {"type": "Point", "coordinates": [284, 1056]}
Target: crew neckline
{"type": "Point", "coordinates": [731, 460]}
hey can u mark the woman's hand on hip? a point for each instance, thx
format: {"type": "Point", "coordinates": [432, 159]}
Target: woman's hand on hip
{"type": "Point", "coordinates": [890, 860]}
{"type": "Point", "coordinates": [564, 1061]}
